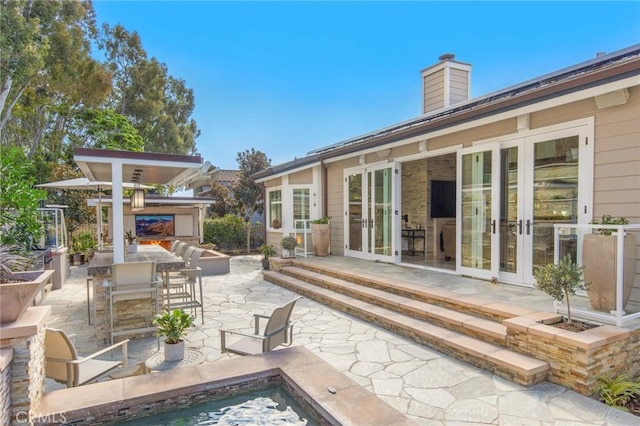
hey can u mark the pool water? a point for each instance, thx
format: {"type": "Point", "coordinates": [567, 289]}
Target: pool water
{"type": "Point", "coordinates": [271, 406]}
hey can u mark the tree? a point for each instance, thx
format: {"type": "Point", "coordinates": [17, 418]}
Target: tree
{"type": "Point", "coordinates": [248, 194]}
{"type": "Point", "coordinates": [560, 280]}
{"type": "Point", "coordinates": [20, 222]}
{"type": "Point", "coordinates": [158, 105]}
{"type": "Point", "coordinates": [106, 129]}
{"type": "Point", "coordinates": [222, 200]}
{"type": "Point", "coordinates": [46, 70]}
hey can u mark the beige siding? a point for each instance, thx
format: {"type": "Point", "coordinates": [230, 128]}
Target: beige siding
{"type": "Point", "coordinates": [273, 182]}
{"type": "Point", "coordinates": [617, 159]}
{"type": "Point", "coordinates": [467, 137]}
{"type": "Point", "coordinates": [433, 91]}
{"type": "Point", "coordinates": [273, 239]}
{"type": "Point", "coordinates": [459, 86]}
{"type": "Point", "coordinates": [301, 177]}
{"type": "Point", "coordinates": [335, 201]}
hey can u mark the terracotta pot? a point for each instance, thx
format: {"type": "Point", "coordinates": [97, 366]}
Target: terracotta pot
{"type": "Point", "coordinates": [599, 259]}
{"type": "Point", "coordinates": [320, 238]}
{"type": "Point", "coordinates": [174, 351]}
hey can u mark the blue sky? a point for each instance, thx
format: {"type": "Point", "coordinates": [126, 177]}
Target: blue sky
{"type": "Point", "coordinates": [289, 77]}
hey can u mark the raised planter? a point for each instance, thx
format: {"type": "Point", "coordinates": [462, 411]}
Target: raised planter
{"type": "Point", "coordinates": [212, 262]}
{"type": "Point", "coordinates": [16, 297]}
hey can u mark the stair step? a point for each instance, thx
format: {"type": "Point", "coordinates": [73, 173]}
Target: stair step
{"type": "Point", "coordinates": [500, 361]}
{"type": "Point", "coordinates": [468, 324]}
{"type": "Point", "coordinates": [474, 305]}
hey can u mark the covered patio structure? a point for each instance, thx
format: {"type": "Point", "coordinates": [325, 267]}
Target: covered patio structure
{"type": "Point", "coordinates": [138, 167]}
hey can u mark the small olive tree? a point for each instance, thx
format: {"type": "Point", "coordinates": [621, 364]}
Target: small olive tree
{"type": "Point", "coordinates": [560, 280]}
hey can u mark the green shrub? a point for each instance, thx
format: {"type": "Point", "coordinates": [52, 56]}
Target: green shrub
{"type": "Point", "coordinates": [227, 232]}
{"type": "Point", "coordinates": [617, 392]}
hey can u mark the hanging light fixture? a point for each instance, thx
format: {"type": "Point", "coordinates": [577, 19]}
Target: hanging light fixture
{"type": "Point", "coordinates": [137, 201]}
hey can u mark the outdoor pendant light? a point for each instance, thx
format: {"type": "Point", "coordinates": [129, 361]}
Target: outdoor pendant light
{"type": "Point", "coordinates": [137, 197]}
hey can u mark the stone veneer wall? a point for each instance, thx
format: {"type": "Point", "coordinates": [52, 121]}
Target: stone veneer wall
{"type": "Point", "coordinates": [5, 388]}
{"type": "Point", "coordinates": [27, 374]}
{"type": "Point", "coordinates": [576, 360]}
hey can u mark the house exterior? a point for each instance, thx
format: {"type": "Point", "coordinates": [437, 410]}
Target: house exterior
{"type": "Point", "coordinates": [474, 186]}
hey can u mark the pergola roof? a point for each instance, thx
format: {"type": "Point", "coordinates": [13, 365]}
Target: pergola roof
{"type": "Point", "coordinates": [156, 168]}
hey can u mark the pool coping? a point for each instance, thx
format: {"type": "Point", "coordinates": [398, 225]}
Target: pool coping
{"type": "Point", "coordinates": [297, 367]}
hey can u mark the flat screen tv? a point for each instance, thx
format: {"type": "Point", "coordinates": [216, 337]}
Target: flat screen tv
{"type": "Point", "coordinates": [155, 225]}
{"type": "Point", "coordinates": [443, 198]}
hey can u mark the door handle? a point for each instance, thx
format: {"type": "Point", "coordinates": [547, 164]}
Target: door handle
{"type": "Point", "coordinates": [520, 227]}
{"type": "Point", "coordinates": [364, 222]}
{"type": "Point", "coordinates": [370, 223]}
{"type": "Point", "coordinates": [528, 226]}
{"type": "Point", "coordinates": [493, 226]}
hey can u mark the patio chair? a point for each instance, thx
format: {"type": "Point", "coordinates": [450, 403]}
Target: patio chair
{"type": "Point", "coordinates": [278, 331]}
{"type": "Point", "coordinates": [65, 366]}
{"type": "Point", "coordinates": [133, 284]}
{"type": "Point", "coordinates": [183, 287]}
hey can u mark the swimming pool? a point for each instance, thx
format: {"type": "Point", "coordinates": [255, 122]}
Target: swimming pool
{"type": "Point", "coordinates": [270, 406]}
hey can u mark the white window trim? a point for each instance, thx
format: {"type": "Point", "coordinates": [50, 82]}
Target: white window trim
{"type": "Point", "coordinates": [268, 210]}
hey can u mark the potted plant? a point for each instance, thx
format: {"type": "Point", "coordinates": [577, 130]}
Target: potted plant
{"type": "Point", "coordinates": [88, 244]}
{"type": "Point", "coordinates": [276, 224]}
{"type": "Point", "coordinates": [132, 247]}
{"type": "Point", "coordinates": [76, 257]}
{"type": "Point", "coordinates": [320, 233]}
{"type": "Point", "coordinates": [288, 245]}
{"type": "Point", "coordinates": [18, 286]}
{"type": "Point", "coordinates": [267, 251]}
{"type": "Point", "coordinates": [560, 280]}
{"type": "Point", "coordinates": [173, 325]}
{"type": "Point", "coordinates": [600, 260]}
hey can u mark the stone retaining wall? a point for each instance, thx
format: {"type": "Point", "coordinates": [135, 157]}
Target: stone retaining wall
{"type": "Point", "coordinates": [6, 356]}
{"type": "Point", "coordinates": [576, 360]}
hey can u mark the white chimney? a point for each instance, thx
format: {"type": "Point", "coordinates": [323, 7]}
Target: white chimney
{"type": "Point", "coordinates": [445, 83]}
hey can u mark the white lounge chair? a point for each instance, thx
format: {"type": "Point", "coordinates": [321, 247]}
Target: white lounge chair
{"type": "Point", "coordinates": [65, 366]}
{"type": "Point", "coordinates": [278, 331]}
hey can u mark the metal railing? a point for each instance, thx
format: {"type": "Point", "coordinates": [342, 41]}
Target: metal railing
{"type": "Point", "coordinates": [302, 234]}
{"type": "Point", "coordinates": [569, 238]}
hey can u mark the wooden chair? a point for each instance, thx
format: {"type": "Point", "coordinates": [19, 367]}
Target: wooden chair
{"type": "Point", "coordinates": [278, 331]}
{"type": "Point", "coordinates": [65, 366]}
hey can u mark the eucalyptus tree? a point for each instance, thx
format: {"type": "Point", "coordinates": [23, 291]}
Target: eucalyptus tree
{"type": "Point", "coordinates": [48, 74]}
{"type": "Point", "coordinates": [158, 105]}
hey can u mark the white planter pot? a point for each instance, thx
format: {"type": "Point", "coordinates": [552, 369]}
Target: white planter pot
{"type": "Point", "coordinates": [132, 248]}
{"type": "Point", "coordinates": [174, 352]}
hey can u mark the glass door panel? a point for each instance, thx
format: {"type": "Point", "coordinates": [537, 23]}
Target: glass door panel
{"type": "Point", "coordinates": [382, 212]}
{"type": "Point", "coordinates": [370, 207]}
{"type": "Point", "coordinates": [555, 196]}
{"type": "Point", "coordinates": [354, 213]}
{"type": "Point", "coordinates": [476, 210]}
{"type": "Point", "coordinates": [510, 211]}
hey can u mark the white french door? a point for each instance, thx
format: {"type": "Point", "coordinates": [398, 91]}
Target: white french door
{"type": "Point", "coordinates": [370, 212]}
{"type": "Point", "coordinates": [478, 174]}
{"type": "Point", "coordinates": [512, 193]}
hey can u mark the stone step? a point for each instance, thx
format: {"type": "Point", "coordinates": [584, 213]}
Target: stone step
{"type": "Point", "coordinates": [473, 305]}
{"type": "Point", "coordinates": [494, 358]}
{"type": "Point", "coordinates": [471, 325]}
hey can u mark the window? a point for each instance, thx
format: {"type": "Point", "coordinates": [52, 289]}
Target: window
{"type": "Point", "coordinates": [275, 209]}
{"type": "Point", "coordinates": [300, 206]}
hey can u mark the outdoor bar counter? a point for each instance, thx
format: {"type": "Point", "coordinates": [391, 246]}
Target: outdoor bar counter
{"type": "Point", "coordinates": [132, 312]}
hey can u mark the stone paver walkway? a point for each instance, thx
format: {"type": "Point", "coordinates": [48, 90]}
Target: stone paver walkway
{"type": "Point", "coordinates": [428, 386]}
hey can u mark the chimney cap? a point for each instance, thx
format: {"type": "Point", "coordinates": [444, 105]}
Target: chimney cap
{"type": "Point", "coordinates": [446, 57]}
